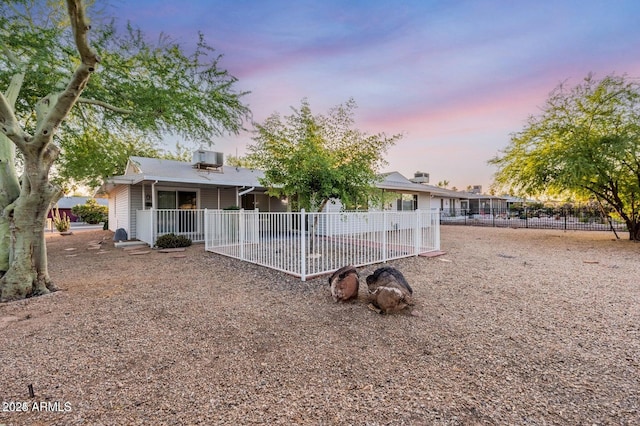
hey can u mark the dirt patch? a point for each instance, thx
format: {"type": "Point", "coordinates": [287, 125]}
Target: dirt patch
{"type": "Point", "coordinates": [510, 327]}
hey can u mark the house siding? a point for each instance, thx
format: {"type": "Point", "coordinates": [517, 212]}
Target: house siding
{"type": "Point", "coordinates": [227, 198]}
{"type": "Point", "coordinates": [111, 218]}
{"type": "Point", "coordinates": [209, 198]}
{"type": "Point", "coordinates": [135, 204]}
{"type": "Point", "coordinates": [121, 211]}
{"type": "Point", "coordinates": [424, 201]}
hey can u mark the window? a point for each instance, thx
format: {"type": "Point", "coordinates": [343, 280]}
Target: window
{"type": "Point", "coordinates": [176, 199]}
{"type": "Point", "coordinates": [407, 202]}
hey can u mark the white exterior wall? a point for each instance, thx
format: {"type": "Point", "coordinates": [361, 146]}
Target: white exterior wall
{"type": "Point", "coordinates": [424, 201]}
{"type": "Point", "coordinates": [227, 198]}
{"type": "Point", "coordinates": [121, 211]}
{"type": "Point", "coordinates": [447, 205]}
{"type": "Point", "coordinates": [112, 211]}
{"type": "Point", "coordinates": [208, 198]}
{"type": "Point", "coordinates": [135, 204]}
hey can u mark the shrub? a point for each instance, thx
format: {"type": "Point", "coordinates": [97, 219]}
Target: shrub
{"type": "Point", "coordinates": [91, 212]}
{"type": "Point", "coordinates": [172, 241]}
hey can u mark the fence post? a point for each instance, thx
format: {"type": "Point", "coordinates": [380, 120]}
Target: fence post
{"type": "Point", "coordinates": [435, 222]}
{"type": "Point", "coordinates": [206, 230]}
{"type": "Point", "coordinates": [241, 232]}
{"type": "Point", "coordinates": [154, 227]}
{"type": "Point", "coordinates": [303, 246]}
{"type": "Point", "coordinates": [417, 233]}
{"type": "Point", "coordinates": [384, 236]}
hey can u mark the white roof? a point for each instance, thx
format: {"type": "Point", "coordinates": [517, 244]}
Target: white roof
{"type": "Point", "coordinates": [151, 169]}
{"type": "Point", "coordinates": [154, 169]}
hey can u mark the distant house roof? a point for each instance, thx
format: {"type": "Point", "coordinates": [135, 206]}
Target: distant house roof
{"type": "Point", "coordinates": [397, 182]}
{"type": "Point", "coordinates": [473, 196]}
{"type": "Point", "coordinates": [69, 202]}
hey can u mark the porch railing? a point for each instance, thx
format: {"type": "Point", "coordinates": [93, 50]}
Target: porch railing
{"type": "Point", "coordinates": [310, 244]}
{"type": "Point", "coordinates": [153, 223]}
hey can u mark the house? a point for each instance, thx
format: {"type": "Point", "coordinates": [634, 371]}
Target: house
{"type": "Point", "coordinates": [417, 196]}
{"type": "Point", "coordinates": [157, 184]}
{"type": "Point", "coordinates": [156, 196]}
{"type": "Point", "coordinates": [484, 204]}
{"type": "Point", "coordinates": [65, 204]}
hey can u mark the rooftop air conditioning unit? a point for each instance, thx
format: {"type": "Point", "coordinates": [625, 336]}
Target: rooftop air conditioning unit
{"type": "Point", "coordinates": [203, 159]}
{"type": "Point", "coordinates": [420, 177]}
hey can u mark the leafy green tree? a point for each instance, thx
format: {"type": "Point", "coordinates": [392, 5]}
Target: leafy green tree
{"type": "Point", "coordinates": [312, 159]}
{"type": "Point", "coordinates": [67, 98]}
{"type": "Point", "coordinates": [91, 212]}
{"type": "Point", "coordinates": [586, 141]}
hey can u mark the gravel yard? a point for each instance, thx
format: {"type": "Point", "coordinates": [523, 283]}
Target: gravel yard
{"type": "Point", "coordinates": [510, 326]}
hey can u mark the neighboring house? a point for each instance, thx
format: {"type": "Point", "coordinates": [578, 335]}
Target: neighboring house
{"type": "Point", "coordinates": [417, 196]}
{"type": "Point", "coordinates": [179, 187]}
{"type": "Point", "coordinates": [65, 204]}
{"type": "Point", "coordinates": [484, 204]}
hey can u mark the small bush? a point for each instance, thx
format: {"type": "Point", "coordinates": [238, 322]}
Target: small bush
{"type": "Point", "coordinates": [172, 241]}
{"type": "Point", "coordinates": [91, 212]}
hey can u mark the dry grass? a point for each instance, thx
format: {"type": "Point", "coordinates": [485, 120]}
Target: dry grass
{"type": "Point", "coordinates": [510, 327]}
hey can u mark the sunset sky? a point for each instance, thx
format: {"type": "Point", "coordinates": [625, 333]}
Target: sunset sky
{"type": "Point", "coordinates": [455, 77]}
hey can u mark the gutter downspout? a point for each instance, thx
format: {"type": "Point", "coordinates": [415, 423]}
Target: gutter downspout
{"type": "Point", "coordinates": [153, 194]}
{"type": "Point", "coordinates": [246, 191]}
{"type": "Point", "coordinates": [240, 194]}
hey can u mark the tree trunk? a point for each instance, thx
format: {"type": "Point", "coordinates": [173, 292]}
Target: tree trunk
{"type": "Point", "coordinates": [28, 270]}
{"type": "Point", "coordinates": [9, 192]}
{"type": "Point", "coordinates": [9, 185]}
{"type": "Point", "coordinates": [27, 275]}
{"type": "Point", "coordinates": [634, 230]}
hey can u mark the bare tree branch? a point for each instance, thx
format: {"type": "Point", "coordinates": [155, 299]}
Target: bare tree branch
{"type": "Point", "coordinates": [9, 124]}
{"type": "Point", "coordinates": [11, 57]}
{"type": "Point", "coordinates": [61, 105]}
{"type": "Point", "coordinates": [105, 105]}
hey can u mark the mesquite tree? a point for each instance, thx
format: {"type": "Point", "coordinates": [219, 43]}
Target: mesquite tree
{"type": "Point", "coordinates": [313, 159]}
{"type": "Point", "coordinates": [58, 102]}
{"type": "Point", "coordinates": [585, 142]}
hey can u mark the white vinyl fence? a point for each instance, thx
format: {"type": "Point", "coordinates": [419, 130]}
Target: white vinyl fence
{"type": "Point", "coordinates": [153, 223]}
{"type": "Point", "coordinates": [310, 244]}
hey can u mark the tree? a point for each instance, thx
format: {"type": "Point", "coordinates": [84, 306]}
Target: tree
{"type": "Point", "coordinates": [56, 104]}
{"type": "Point", "coordinates": [443, 184]}
{"type": "Point", "coordinates": [586, 141]}
{"type": "Point", "coordinates": [91, 212]}
{"type": "Point", "coordinates": [312, 159]}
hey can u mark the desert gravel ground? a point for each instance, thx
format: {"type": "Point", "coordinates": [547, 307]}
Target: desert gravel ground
{"type": "Point", "coordinates": [510, 326]}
